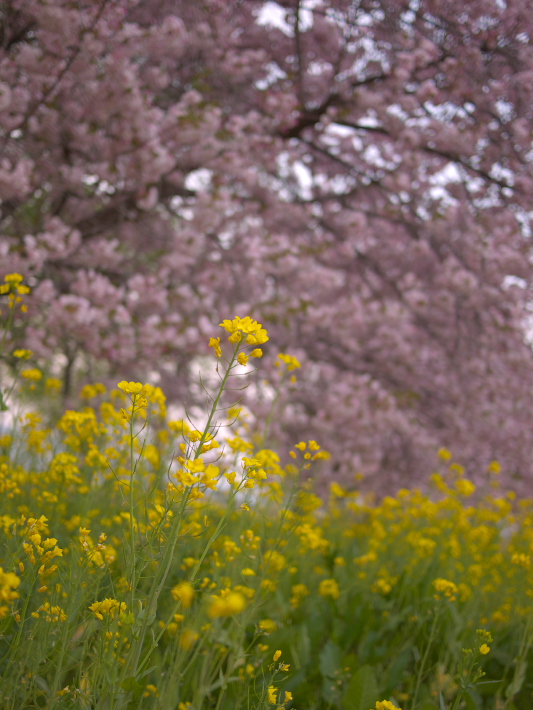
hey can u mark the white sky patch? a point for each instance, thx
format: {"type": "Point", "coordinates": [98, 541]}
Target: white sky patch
{"type": "Point", "coordinates": [505, 110]}
{"type": "Point", "coordinates": [334, 131]}
{"type": "Point", "coordinates": [498, 172]}
{"type": "Point", "coordinates": [316, 68]}
{"type": "Point", "coordinates": [371, 53]}
{"type": "Point", "coordinates": [369, 122]}
{"type": "Point", "coordinates": [199, 179]}
{"type": "Point", "coordinates": [273, 15]}
{"type": "Point", "coordinates": [524, 219]}
{"type": "Point", "coordinates": [274, 73]}
{"type": "Point", "coordinates": [449, 173]}
{"type": "Point", "coordinates": [438, 192]}
{"type": "Point", "coordinates": [305, 179]}
{"type": "Point", "coordinates": [509, 281]}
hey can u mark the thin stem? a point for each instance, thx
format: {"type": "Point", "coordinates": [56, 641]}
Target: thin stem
{"type": "Point", "coordinates": [424, 659]}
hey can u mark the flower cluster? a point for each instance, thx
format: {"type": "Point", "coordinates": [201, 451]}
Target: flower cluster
{"type": "Point", "coordinates": [108, 608]}
{"type": "Point", "coordinates": [9, 582]}
{"type": "Point", "coordinates": [16, 289]}
{"type": "Point", "coordinates": [242, 330]}
{"type": "Point", "coordinates": [445, 588]}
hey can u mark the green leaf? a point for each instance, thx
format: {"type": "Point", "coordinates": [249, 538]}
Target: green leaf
{"type": "Point", "coordinates": [330, 659]}
{"type": "Point", "coordinates": [470, 701]}
{"type": "Point", "coordinates": [488, 687]}
{"type": "Point", "coordinates": [131, 685]}
{"type": "Point", "coordinates": [146, 672]}
{"type": "Point", "coordinates": [397, 668]}
{"type": "Point", "coordinates": [442, 705]}
{"type": "Point", "coordinates": [362, 692]}
{"type": "Point", "coordinates": [142, 616]}
{"type": "Point", "coordinates": [516, 684]}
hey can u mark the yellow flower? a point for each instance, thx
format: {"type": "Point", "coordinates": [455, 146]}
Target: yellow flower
{"type": "Point", "coordinates": [32, 374]}
{"type": "Point", "coordinates": [258, 338]}
{"type": "Point", "coordinates": [521, 559]}
{"type": "Point", "coordinates": [288, 697]}
{"type": "Point", "coordinates": [337, 490]}
{"type": "Point", "coordinates": [135, 388]}
{"type": "Point", "coordinates": [276, 656]}
{"type": "Point", "coordinates": [196, 465]}
{"type": "Point", "coordinates": [109, 608]}
{"type": "Point", "coordinates": [299, 592]}
{"type": "Point", "coordinates": [443, 586]}
{"type": "Point", "coordinates": [329, 588]}
{"type": "Point", "coordinates": [484, 649]}
{"type": "Point", "coordinates": [52, 383]}
{"type": "Point", "coordinates": [386, 705]}
{"type": "Point", "coordinates": [242, 359]}
{"type": "Point", "coordinates": [229, 605]}
{"type": "Point", "coordinates": [238, 327]}
{"type": "Point", "coordinates": [291, 362]}
{"type": "Point", "coordinates": [8, 583]}
{"type": "Point", "coordinates": [256, 353]}
{"type": "Point", "coordinates": [210, 477]}
{"type": "Point", "coordinates": [24, 354]}
{"type": "Point", "coordinates": [215, 344]}
{"type": "Point", "coordinates": [235, 338]}
{"type": "Point", "coordinates": [268, 626]}
{"type": "Point", "coordinates": [13, 278]}
{"type": "Point", "coordinates": [188, 638]}
{"type": "Point", "coordinates": [272, 695]}
{"type": "Point", "coordinates": [183, 592]}
{"type": "Point", "coordinates": [465, 487]}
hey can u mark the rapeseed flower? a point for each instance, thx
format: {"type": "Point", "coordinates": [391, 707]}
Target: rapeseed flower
{"type": "Point", "coordinates": [240, 328]}
{"type": "Point", "coordinates": [22, 354]}
{"type": "Point", "coordinates": [446, 588]}
{"type": "Point", "coordinates": [108, 608]}
{"type": "Point", "coordinates": [32, 374]}
{"type": "Point", "coordinates": [292, 362]}
{"type": "Point", "coordinates": [215, 344]}
{"type": "Point", "coordinates": [222, 606]}
{"type": "Point", "coordinates": [183, 592]}
{"type": "Point", "coordinates": [272, 695]}
{"type": "Point", "coordinates": [386, 705]}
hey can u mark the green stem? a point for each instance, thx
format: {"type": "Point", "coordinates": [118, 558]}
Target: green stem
{"type": "Point", "coordinates": [160, 580]}
{"type": "Point", "coordinates": [215, 403]}
{"type": "Point", "coordinates": [132, 527]}
{"type": "Point", "coordinates": [212, 539]}
{"type": "Point", "coordinates": [424, 659]}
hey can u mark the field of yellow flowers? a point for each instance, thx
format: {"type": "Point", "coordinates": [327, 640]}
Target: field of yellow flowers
{"type": "Point", "coordinates": [148, 563]}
